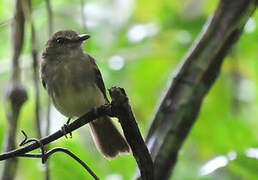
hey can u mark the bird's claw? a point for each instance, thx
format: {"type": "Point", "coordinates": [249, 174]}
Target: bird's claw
{"type": "Point", "coordinates": [64, 129]}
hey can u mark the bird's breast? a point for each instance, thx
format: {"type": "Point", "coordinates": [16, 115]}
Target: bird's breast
{"type": "Point", "coordinates": [73, 90]}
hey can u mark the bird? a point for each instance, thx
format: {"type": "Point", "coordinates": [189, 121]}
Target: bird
{"type": "Point", "coordinates": [75, 85]}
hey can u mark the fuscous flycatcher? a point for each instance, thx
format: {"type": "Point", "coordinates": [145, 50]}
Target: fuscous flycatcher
{"type": "Point", "coordinates": [75, 85]}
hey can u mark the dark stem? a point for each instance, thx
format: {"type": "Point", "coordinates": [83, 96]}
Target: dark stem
{"type": "Point", "coordinates": [45, 155]}
{"type": "Point", "coordinates": [59, 149]}
{"type": "Point", "coordinates": [34, 53]}
{"type": "Point", "coordinates": [122, 110]}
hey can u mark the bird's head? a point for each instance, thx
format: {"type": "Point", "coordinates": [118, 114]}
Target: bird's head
{"type": "Point", "coordinates": [64, 42]}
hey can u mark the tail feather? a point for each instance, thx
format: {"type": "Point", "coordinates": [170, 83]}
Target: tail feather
{"type": "Point", "coordinates": [108, 139]}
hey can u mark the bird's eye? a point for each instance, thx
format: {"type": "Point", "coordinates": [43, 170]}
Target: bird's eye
{"type": "Point", "coordinates": [61, 40]}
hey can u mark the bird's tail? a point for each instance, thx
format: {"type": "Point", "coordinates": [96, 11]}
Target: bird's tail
{"type": "Point", "coordinates": [108, 139]}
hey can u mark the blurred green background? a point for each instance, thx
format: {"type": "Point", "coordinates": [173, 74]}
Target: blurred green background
{"type": "Point", "coordinates": [138, 45]}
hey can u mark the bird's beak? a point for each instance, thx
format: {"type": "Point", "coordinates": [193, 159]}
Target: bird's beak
{"type": "Point", "coordinates": [83, 37]}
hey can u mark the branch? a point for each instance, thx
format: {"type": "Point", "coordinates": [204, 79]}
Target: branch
{"type": "Point", "coordinates": [119, 108]}
{"type": "Point", "coordinates": [46, 154]}
{"type": "Point", "coordinates": [88, 117]}
{"type": "Point", "coordinates": [181, 104]}
{"type": "Point", "coordinates": [122, 110]}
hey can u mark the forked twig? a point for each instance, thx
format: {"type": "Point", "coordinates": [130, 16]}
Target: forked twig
{"type": "Point", "coordinates": [46, 154]}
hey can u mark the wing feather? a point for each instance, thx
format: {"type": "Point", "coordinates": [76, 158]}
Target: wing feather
{"type": "Point", "coordinates": [98, 78]}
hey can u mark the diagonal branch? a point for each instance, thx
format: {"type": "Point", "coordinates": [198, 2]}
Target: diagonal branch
{"type": "Point", "coordinates": [181, 104]}
{"type": "Point", "coordinates": [88, 117]}
{"type": "Point", "coordinates": [119, 108]}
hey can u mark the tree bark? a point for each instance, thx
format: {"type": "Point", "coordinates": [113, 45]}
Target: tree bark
{"type": "Point", "coordinates": [181, 104]}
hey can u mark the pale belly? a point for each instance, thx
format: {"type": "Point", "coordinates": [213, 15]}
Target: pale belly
{"type": "Point", "coordinates": [71, 86]}
{"type": "Point", "coordinates": [75, 103]}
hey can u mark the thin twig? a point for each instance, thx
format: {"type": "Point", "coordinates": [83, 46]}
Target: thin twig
{"type": "Point", "coordinates": [45, 155]}
{"type": "Point", "coordinates": [88, 117]}
{"type": "Point", "coordinates": [34, 53]}
{"type": "Point", "coordinates": [52, 151]}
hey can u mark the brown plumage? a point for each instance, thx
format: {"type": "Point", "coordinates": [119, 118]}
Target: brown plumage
{"type": "Point", "coordinates": [75, 85]}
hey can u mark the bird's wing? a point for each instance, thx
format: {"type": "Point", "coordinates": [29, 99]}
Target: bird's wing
{"type": "Point", "coordinates": [44, 84]}
{"type": "Point", "coordinates": [98, 78]}
{"type": "Point", "coordinates": [42, 72]}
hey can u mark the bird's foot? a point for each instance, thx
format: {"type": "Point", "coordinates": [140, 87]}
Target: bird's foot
{"type": "Point", "coordinates": [64, 128]}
